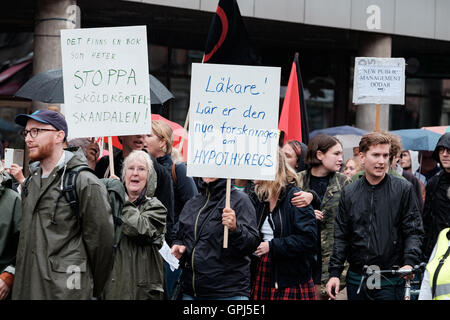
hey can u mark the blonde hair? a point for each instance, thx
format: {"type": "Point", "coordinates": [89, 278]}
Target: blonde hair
{"type": "Point", "coordinates": [137, 155]}
{"type": "Point", "coordinates": [164, 132]}
{"type": "Point", "coordinates": [357, 162]}
{"type": "Point", "coordinates": [285, 175]}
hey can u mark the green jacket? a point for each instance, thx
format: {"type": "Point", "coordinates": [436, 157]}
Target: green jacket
{"type": "Point", "coordinates": [138, 272]}
{"type": "Point", "coordinates": [329, 207]}
{"type": "Point", "coordinates": [10, 213]}
{"type": "Point", "coordinates": [61, 256]}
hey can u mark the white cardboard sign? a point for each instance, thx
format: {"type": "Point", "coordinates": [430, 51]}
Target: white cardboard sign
{"type": "Point", "coordinates": [379, 81]}
{"type": "Point", "coordinates": [233, 121]}
{"type": "Point", "coordinates": [106, 81]}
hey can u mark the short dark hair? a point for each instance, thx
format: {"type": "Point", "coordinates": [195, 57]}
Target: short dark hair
{"type": "Point", "coordinates": [321, 142]}
{"type": "Point", "coordinates": [373, 139]}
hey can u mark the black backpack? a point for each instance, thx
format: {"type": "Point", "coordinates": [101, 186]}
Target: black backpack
{"type": "Point", "coordinates": [116, 196]}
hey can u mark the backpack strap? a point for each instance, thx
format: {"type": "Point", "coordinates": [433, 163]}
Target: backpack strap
{"type": "Point", "coordinates": [70, 187]}
{"type": "Point", "coordinates": [25, 185]}
{"type": "Point", "coordinates": [174, 174]}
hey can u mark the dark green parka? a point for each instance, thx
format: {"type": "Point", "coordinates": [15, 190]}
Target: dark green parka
{"type": "Point", "coordinates": [138, 272]}
{"type": "Point", "coordinates": [61, 256]}
{"type": "Point", "coordinates": [10, 213]}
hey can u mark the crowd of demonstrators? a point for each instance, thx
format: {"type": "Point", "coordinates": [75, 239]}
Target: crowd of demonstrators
{"type": "Point", "coordinates": [159, 145]}
{"type": "Point", "coordinates": [301, 229]}
{"type": "Point", "coordinates": [288, 239]}
{"type": "Point", "coordinates": [351, 167]}
{"type": "Point", "coordinates": [10, 214]}
{"type": "Point", "coordinates": [211, 272]}
{"type": "Point", "coordinates": [378, 223]}
{"type": "Point", "coordinates": [138, 272]}
{"type": "Point", "coordinates": [323, 183]}
{"type": "Point", "coordinates": [53, 241]}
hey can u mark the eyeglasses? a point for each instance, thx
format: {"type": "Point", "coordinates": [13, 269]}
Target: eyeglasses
{"type": "Point", "coordinates": [34, 132]}
{"type": "Point", "coordinates": [442, 149]}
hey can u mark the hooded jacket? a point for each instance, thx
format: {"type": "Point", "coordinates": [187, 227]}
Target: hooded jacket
{"type": "Point", "coordinates": [210, 270]}
{"type": "Point", "coordinates": [436, 212]}
{"type": "Point", "coordinates": [164, 188]}
{"type": "Point", "coordinates": [60, 255]}
{"type": "Point", "coordinates": [10, 214]}
{"type": "Point", "coordinates": [138, 270]}
{"type": "Point", "coordinates": [376, 225]}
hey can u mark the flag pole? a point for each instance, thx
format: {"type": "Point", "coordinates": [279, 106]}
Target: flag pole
{"type": "Point", "coordinates": [184, 132]}
{"type": "Point", "coordinates": [111, 156]}
{"type": "Point", "coordinates": [377, 119]}
{"type": "Point", "coordinates": [227, 205]}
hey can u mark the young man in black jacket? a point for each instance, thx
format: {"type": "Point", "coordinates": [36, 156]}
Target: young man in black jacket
{"type": "Point", "coordinates": [378, 224]}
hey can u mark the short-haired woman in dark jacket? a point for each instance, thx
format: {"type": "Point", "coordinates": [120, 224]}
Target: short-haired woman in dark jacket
{"type": "Point", "coordinates": [289, 237]}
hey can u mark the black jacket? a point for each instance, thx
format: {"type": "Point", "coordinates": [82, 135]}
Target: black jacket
{"type": "Point", "coordinates": [377, 225]}
{"type": "Point", "coordinates": [210, 270]}
{"type": "Point", "coordinates": [294, 245]}
{"type": "Point", "coordinates": [184, 189]}
{"type": "Point", "coordinates": [436, 213]}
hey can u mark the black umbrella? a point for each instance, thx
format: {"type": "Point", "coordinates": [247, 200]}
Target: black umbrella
{"type": "Point", "coordinates": [48, 87]}
{"type": "Point", "coordinates": [9, 126]}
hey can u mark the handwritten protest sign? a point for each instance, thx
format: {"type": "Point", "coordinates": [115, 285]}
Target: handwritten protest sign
{"type": "Point", "coordinates": [233, 121]}
{"type": "Point", "coordinates": [379, 81]}
{"type": "Point", "coordinates": [106, 81]}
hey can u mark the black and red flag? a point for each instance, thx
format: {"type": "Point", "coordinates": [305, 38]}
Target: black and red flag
{"type": "Point", "coordinates": [227, 40]}
{"type": "Point", "coordinates": [293, 118]}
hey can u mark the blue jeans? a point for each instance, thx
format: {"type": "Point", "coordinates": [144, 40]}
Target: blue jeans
{"type": "Point", "coordinates": [188, 297]}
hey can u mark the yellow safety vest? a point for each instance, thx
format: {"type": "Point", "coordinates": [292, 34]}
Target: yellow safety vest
{"type": "Point", "coordinates": [442, 290]}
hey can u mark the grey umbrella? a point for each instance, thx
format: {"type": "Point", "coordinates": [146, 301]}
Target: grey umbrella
{"type": "Point", "coordinates": [48, 87]}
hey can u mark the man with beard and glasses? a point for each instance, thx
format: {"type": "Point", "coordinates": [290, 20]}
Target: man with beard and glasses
{"type": "Point", "coordinates": [61, 254]}
{"type": "Point", "coordinates": [378, 223]}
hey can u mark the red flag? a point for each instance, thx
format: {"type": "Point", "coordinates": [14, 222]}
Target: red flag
{"type": "Point", "coordinates": [293, 119]}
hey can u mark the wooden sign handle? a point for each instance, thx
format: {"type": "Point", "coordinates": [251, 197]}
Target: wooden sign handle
{"type": "Point", "coordinates": [227, 205]}
{"type": "Point", "coordinates": [377, 119]}
{"type": "Point", "coordinates": [111, 156]}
